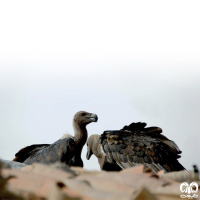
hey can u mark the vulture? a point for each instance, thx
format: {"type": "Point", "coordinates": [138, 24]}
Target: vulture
{"type": "Point", "coordinates": [134, 145]}
{"type": "Point", "coordinates": [67, 149]}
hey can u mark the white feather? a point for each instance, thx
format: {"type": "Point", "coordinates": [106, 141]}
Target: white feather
{"type": "Point", "coordinates": [66, 135]}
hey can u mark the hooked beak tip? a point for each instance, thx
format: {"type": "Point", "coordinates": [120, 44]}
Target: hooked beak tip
{"type": "Point", "coordinates": [93, 117]}
{"type": "Point", "coordinates": [88, 155]}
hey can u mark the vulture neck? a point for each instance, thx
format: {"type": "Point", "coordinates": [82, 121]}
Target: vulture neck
{"type": "Point", "coordinates": [98, 150]}
{"type": "Point", "coordinates": [80, 136]}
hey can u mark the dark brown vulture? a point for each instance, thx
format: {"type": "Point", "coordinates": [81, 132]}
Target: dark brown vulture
{"type": "Point", "coordinates": [67, 149]}
{"type": "Point", "coordinates": [134, 145]}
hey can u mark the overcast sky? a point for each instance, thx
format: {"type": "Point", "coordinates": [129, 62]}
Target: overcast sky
{"type": "Point", "coordinates": [125, 61]}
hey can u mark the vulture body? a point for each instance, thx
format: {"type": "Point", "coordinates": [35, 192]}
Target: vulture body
{"type": "Point", "coordinates": [67, 149]}
{"type": "Point", "coordinates": [134, 145]}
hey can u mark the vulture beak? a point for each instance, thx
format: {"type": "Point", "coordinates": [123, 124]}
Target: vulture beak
{"type": "Point", "coordinates": [89, 153]}
{"type": "Point", "coordinates": [93, 117]}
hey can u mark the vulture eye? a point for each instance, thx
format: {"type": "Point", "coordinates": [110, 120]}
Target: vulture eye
{"type": "Point", "coordinates": [83, 114]}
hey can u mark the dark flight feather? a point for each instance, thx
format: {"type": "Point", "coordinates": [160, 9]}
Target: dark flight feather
{"type": "Point", "coordinates": [25, 152]}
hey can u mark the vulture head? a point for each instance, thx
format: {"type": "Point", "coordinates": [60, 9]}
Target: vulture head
{"type": "Point", "coordinates": [94, 146]}
{"type": "Point", "coordinates": [84, 118]}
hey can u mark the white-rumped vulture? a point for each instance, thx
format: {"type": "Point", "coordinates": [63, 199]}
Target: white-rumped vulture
{"type": "Point", "coordinates": [134, 145]}
{"type": "Point", "coordinates": [67, 149]}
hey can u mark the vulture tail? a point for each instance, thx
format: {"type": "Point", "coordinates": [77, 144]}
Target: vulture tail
{"type": "Point", "coordinates": [175, 166]}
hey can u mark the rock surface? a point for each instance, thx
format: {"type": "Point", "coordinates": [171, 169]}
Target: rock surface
{"type": "Point", "coordinates": [57, 181]}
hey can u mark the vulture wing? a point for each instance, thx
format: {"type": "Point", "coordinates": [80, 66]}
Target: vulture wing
{"type": "Point", "coordinates": [135, 144]}
{"type": "Point", "coordinates": [62, 150]}
{"type": "Point", "coordinates": [26, 152]}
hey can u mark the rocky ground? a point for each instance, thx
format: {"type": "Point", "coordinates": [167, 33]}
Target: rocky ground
{"type": "Point", "coordinates": [59, 182]}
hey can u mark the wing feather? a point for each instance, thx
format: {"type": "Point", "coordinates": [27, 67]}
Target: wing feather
{"type": "Point", "coordinates": [62, 150]}
{"type": "Point", "coordinates": [135, 144]}
{"type": "Point", "coordinates": [26, 152]}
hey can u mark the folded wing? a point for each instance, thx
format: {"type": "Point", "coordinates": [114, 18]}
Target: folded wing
{"type": "Point", "coordinates": [62, 150]}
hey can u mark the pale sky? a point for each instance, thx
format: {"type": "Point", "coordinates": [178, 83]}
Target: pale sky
{"type": "Point", "coordinates": [125, 61]}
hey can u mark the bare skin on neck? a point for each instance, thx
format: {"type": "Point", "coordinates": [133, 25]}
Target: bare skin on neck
{"type": "Point", "coordinates": [80, 121]}
{"type": "Point", "coordinates": [94, 147]}
{"type": "Point", "coordinates": [80, 136]}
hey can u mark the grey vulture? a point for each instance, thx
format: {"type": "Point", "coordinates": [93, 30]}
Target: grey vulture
{"type": "Point", "coordinates": [67, 149]}
{"type": "Point", "coordinates": [134, 145]}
